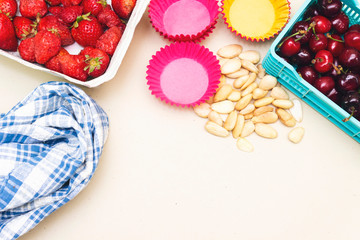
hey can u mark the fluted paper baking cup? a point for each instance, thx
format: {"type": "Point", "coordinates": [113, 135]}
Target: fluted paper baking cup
{"type": "Point", "coordinates": [256, 20]}
{"type": "Point", "coordinates": [184, 20]}
{"type": "Point", "coordinates": [183, 74]}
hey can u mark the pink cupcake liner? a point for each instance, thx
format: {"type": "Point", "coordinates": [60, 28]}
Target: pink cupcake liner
{"type": "Point", "coordinates": [183, 74]}
{"type": "Point", "coordinates": [184, 20]}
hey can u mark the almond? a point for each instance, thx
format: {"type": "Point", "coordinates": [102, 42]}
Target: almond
{"type": "Point", "coordinates": [230, 51]}
{"type": "Point", "coordinates": [251, 56]}
{"type": "Point", "coordinates": [265, 130]}
{"type": "Point", "coordinates": [244, 145]}
{"type": "Point", "coordinates": [216, 130]}
{"type": "Point", "coordinates": [296, 134]}
{"type": "Point", "coordinates": [231, 66]}
{"type": "Point", "coordinates": [202, 110]}
{"type": "Point", "coordinates": [225, 106]}
{"type": "Point", "coordinates": [243, 102]}
{"type": "Point", "coordinates": [230, 121]}
{"type": "Point", "coordinates": [223, 93]}
{"type": "Point", "coordinates": [248, 129]}
{"type": "Point", "coordinates": [268, 82]}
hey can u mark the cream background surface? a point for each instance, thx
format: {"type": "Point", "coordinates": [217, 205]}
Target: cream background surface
{"type": "Point", "coordinates": [162, 176]}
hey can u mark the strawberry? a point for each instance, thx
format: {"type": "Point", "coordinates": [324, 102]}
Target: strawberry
{"type": "Point", "coordinates": [108, 18]}
{"type": "Point", "coordinates": [24, 27]}
{"type": "Point", "coordinates": [67, 3]}
{"type": "Point", "coordinates": [123, 8]}
{"type": "Point", "coordinates": [109, 40]}
{"type": "Point", "coordinates": [8, 7]}
{"type": "Point", "coordinates": [27, 49]}
{"type": "Point", "coordinates": [96, 61]}
{"type": "Point", "coordinates": [94, 6]}
{"type": "Point", "coordinates": [47, 44]}
{"type": "Point", "coordinates": [32, 8]}
{"type": "Point", "coordinates": [51, 22]}
{"type": "Point", "coordinates": [86, 30]}
{"type": "Point", "coordinates": [53, 2]}
{"type": "Point", "coordinates": [73, 66]}
{"type": "Point", "coordinates": [67, 15]}
{"type": "Point", "coordinates": [54, 63]}
{"type": "Point", "coordinates": [8, 39]}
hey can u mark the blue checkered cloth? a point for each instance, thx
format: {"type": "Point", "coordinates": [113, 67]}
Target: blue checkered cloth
{"type": "Point", "coordinates": [50, 144]}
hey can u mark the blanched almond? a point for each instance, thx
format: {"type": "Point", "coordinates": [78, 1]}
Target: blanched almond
{"type": "Point", "coordinates": [234, 96]}
{"type": "Point", "coordinates": [285, 117]}
{"type": "Point", "coordinates": [244, 145]}
{"type": "Point", "coordinates": [215, 117]}
{"type": "Point", "coordinates": [222, 81]}
{"type": "Point", "coordinates": [296, 110]}
{"type": "Point", "coordinates": [262, 110]}
{"type": "Point", "coordinates": [251, 79]}
{"type": "Point", "coordinates": [243, 102]}
{"type": "Point", "coordinates": [223, 93]}
{"type": "Point", "coordinates": [210, 100]}
{"type": "Point", "coordinates": [251, 56]}
{"type": "Point", "coordinates": [279, 93]}
{"type": "Point", "coordinates": [248, 109]}
{"type": "Point", "coordinates": [265, 130]}
{"type": "Point", "coordinates": [248, 129]}
{"type": "Point", "coordinates": [296, 134]}
{"type": "Point", "coordinates": [230, 121]}
{"type": "Point", "coordinates": [249, 89]}
{"type": "Point", "coordinates": [249, 66]}
{"type": "Point", "coordinates": [202, 110]}
{"type": "Point", "coordinates": [262, 72]}
{"type": "Point", "coordinates": [286, 104]}
{"type": "Point", "coordinates": [263, 101]}
{"type": "Point", "coordinates": [248, 116]}
{"type": "Point", "coordinates": [222, 61]}
{"type": "Point", "coordinates": [259, 93]}
{"type": "Point", "coordinates": [268, 117]}
{"type": "Point", "coordinates": [240, 121]}
{"type": "Point", "coordinates": [241, 72]}
{"type": "Point", "coordinates": [238, 83]}
{"type": "Point", "coordinates": [216, 130]}
{"type": "Point", "coordinates": [231, 66]}
{"type": "Point", "coordinates": [230, 51]}
{"type": "Point", "coordinates": [225, 106]}
{"type": "Point", "coordinates": [268, 82]}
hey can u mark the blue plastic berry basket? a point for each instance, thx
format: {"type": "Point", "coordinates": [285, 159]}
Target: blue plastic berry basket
{"type": "Point", "coordinates": [288, 76]}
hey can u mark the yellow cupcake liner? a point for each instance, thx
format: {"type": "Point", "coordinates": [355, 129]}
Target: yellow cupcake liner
{"type": "Point", "coordinates": [256, 20]}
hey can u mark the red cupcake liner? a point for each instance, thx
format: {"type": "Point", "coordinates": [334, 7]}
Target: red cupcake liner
{"type": "Point", "coordinates": [183, 74]}
{"type": "Point", "coordinates": [158, 12]}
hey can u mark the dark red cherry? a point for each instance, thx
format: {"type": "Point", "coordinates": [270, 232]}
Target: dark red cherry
{"type": "Point", "coordinates": [352, 39]}
{"type": "Point", "coordinates": [329, 8]}
{"type": "Point", "coordinates": [334, 96]}
{"type": "Point", "coordinates": [324, 84]}
{"type": "Point", "coordinates": [350, 58]}
{"type": "Point", "coordinates": [290, 47]}
{"type": "Point", "coordinates": [355, 27]}
{"type": "Point", "coordinates": [308, 73]}
{"type": "Point", "coordinates": [336, 69]}
{"type": "Point", "coordinates": [311, 12]}
{"type": "Point", "coordinates": [322, 24]}
{"type": "Point", "coordinates": [303, 57]}
{"type": "Point", "coordinates": [340, 23]}
{"type": "Point", "coordinates": [351, 103]}
{"type": "Point", "coordinates": [302, 28]}
{"type": "Point", "coordinates": [335, 45]}
{"type": "Point", "coordinates": [323, 61]}
{"type": "Point", "coordinates": [318, 42]}
{"type": "Point", "coordinates": [348, 82]}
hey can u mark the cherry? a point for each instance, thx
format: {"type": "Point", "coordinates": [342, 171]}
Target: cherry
{"type": "Point", "coordinates": [324, 84]}
{"type": "Point", "coordinates": [308, 73]}
{"type": "Point", "coordinates": [302, 28]}
{"type": "Point", "coordinates": [322, 24]}
{"type": "Point", "coordinates": [352, 39]}
{"type": "Point", "coordinates": [335, 45]}
{"type": "Point", "coordinates": [351, 104]}
{"type": "Point", "coordinates": [336, 70]}
{"type": "Point", "coordinates": [318, 42]}
{"type": "Point", "coordinates": [355, 27]}
{"type": "Point", "coordinates": [290, 47]}
{"type": "Point", "coordinates": [303, 57]}
{"type": "Point", "coordinates": [312, 11]}
{"type": "Point", "coordinates": [348, 82]}
{"type": "Point", "coordinates": [340, 23]}
{"type": "Point", "coordinates": [334, 96]}
{"type": "Point", "coordinates": [329, 8]}
{"type": "Point", "coordinates": [323, 61]}
{"type": "Point", "coordinates": [350, 58]}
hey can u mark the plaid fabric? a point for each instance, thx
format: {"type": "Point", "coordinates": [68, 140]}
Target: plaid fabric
{"type": "Point", "coordinates": [50, 144]}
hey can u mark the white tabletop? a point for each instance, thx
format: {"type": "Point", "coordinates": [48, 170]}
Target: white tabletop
{"type": "Point", "coordinates": [162, 176]}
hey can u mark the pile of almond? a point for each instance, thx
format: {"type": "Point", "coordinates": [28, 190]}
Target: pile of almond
{"type": "Point", "coordinates": [249, 100]}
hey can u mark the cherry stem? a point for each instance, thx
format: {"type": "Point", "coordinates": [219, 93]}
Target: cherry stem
{"type": "Point", "coordinates": [330, 37]}
{"type": "Point", "coordinates": [352, 114]}
{"type": "Point", "coordinates": [292, 35]}
{"type": "Point", "coordinates": [312, 26]}
{"type": "Point", "coordinates": [338, 68]}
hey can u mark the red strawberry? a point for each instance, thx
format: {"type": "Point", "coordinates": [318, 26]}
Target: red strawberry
{"type": "Point", "coordinates": [109, 40]}
{"type": "Point", "coordinates": [27, 49]}
{"type": "Point", "coordinates": [32, 8]}
{"type": "Point", "coordinates": [8, 39]}
{"type": "Point", "coordinates": [53, 2]}
{"type": "Point", "coordinates": [123, 8]}
{"type": "Point", "coordinates": [67, 3]}
{"type": "Point", "coordinates": [24, 27]}
{"type": "Point", "coordinates": [73, 66]}
{"type": "Point", "coordinates": [47, 44]}
{"type": "Point", "coordinates": [54, 63]}
{"type": "Point", "coordinates": [94, 6]}
{"type": "Point", "coordinates": [8, 7]}
{"type": "Point", "coordinates": [52, 22]}
{"type": "Point", "coordinates": [67, 15]}
{"type": "Point", "coordinates": [108, 18]}
{"type": "Point", "coordinates": [96, 61]}
{"type": "Point", "coordinates": [86, 30]}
